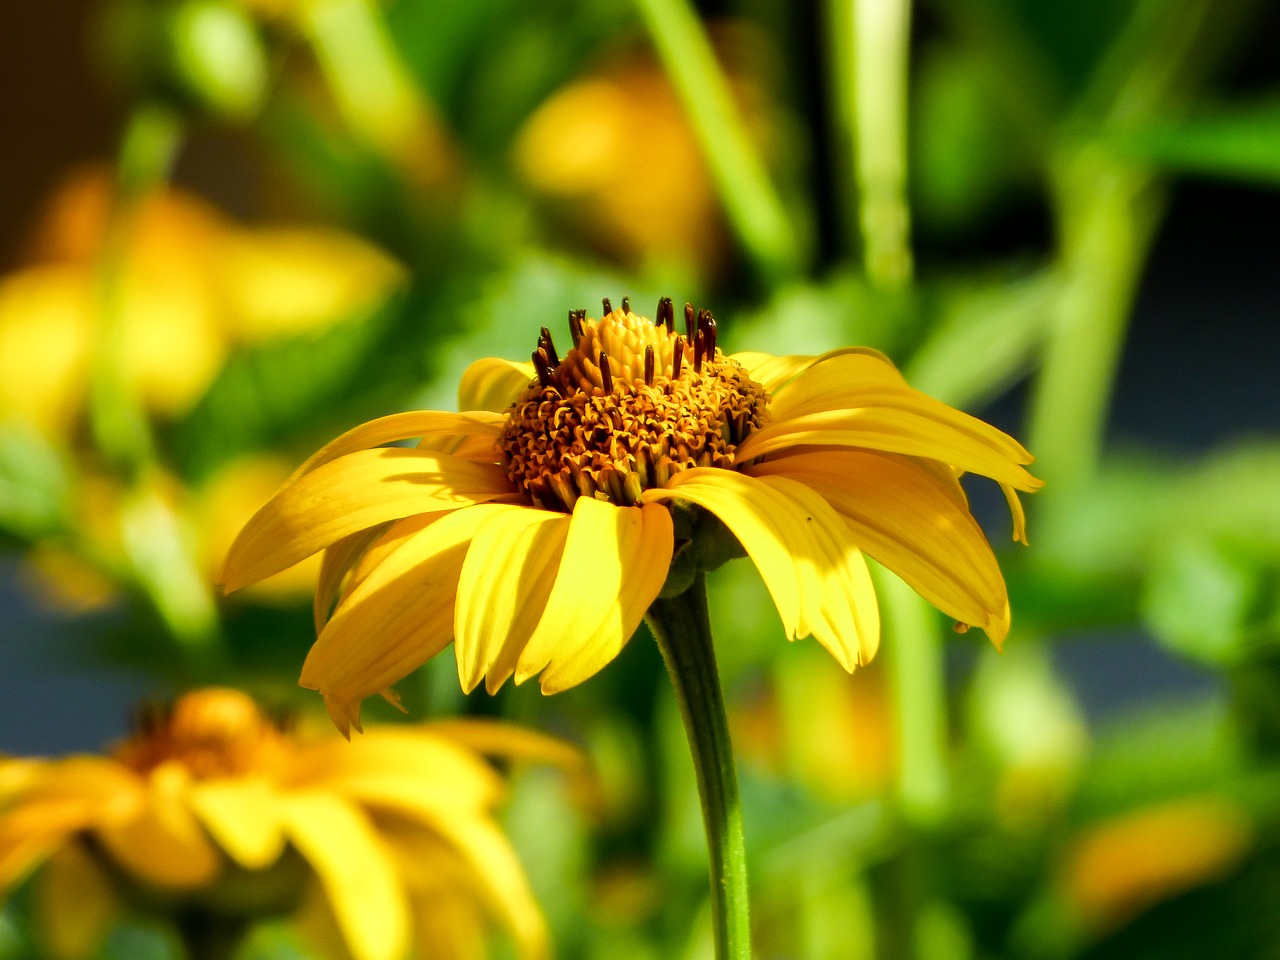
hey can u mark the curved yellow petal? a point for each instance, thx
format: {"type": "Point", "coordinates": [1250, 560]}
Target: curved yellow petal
{"type": "Point", "coordinates": [75, 903]}
{"type": "Point", "coordinates": [1016, 512]}
{"type": "Point", "coordinates": [397, 617]}
{"type": "Point", "coordinates": [507, 741]}
{"type": "Point", "coordinates": [825, 384]}
{"type": "Point", "coordinates": [402, 426]}
{"type": "Point", "coordinates": [350, 494]}
{"type": "Point", "coordinates": [900, 421]}
{"type": "Point", "coordinates": [906, 516]}
{"type": "Point", "coordinates": [356, 871]}
{"type": "Point", "coordinates": [163, 844]}
{"type": "Point", "coordinates": [399, 766]}
{"type": "Point", "coordinates": [493, 384]}
{"type": "Point", "coordinates": [503, 590]}
{"type": "Point", "coordinates": [839, 599]}
{"type": "Point", "coordinates": [338, 560]}
{"type": "Point", "coordinates": [614, 563]}
{"type": "Point", "coordinates": [775, 373]}
{"type": "Point", "coordinates": [243, 817]}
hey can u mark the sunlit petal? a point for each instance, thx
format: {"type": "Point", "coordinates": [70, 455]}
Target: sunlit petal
{"type": "Point", "coordinates": [830, 379]}
{"type": "Point", "coordinates": [493, 384]}
{"type": "Point", "coordinates": [355, 869]}
{"type": "Point", "coordinates": [401, 426]}
{"type": "Point", "coordinates": [503, 590]}
{"type": "Point", "coordinates": [614, 563]}
{"type": "Point", "coordinates": [242, 814]}
{"type": "Point", "coordinates": [350, 494]}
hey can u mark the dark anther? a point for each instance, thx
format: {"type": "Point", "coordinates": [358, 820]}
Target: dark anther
{"type": "Point", "coordinates": [575, 325]}
{"type": "Point", "coordinates": [543, 365]}
{"type": "Point", "coordinates": [707, 324]}
{"type": "Point", "coordinates": [626, 304]}
{"type": "Point", "coordinates": [699, 349]}
{"type": "Point", "coordinates": [666, 314]}
{"type": "Point", "coordinates": [689, 328]}
{"type": "Point", "coordinates": [677, 358]}
{"type": "Point", "coordinates": [606, 375]}
{"type": "Point", "coordinates": [545, 343]}
{"type": "Point", "coordinates": [608, 307]}
{"type": "Point", "coordinates": [648, 365]}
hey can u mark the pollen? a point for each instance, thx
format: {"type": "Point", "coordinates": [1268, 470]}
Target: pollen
{"type": "Point", "coordinates": [629, 406]}
{"type": "Point", "coordinates": [212, 733]}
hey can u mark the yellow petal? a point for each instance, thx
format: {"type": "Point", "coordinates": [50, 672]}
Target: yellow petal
{"type": "Point", "coordinates": [243, 817]}
{"type": "Point", "coordinates": [839, 599]}
{"type": "Point", "coordinates": [900, 421]}
{"type": "Point", "coordinates": [75, 904]}
{"type": "Point", "coordinates": [503, 590]}
{"type": "Point", "coordinates": [493, 384]}
{"type": "Point", "coordinates": [402, 426]}
{"type": "Point", "coordinates": [507, 741]}
{"type": "Point", "coordinates": [338, 560]}
{"type": "Point", "coordinates": [163, 844]}
{"type": "Point", "coordinates": [399, 616]}
{"type": "Point", "coordinates": [1015, 510]}
{"type": "Point", "coordinates": [282, 281]}
{"type": "Point", "coordinates": [830, 379]}
{"type": "Point", "coordinates": [906, 516]}
{"type": "Point", "coordinates": [403, 766]}
{"type": "Point", "coordinates": [351, 494]}
{"type": "Point", "coordinates": [355, 869]}
{"type": "Point", "coordinates": [614, 563]}
{"type": "Point", "coordinates": [774, 373]}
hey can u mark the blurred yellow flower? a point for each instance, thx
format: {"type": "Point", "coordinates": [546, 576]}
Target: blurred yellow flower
{"type": "Point", "coordinates": [538, 536]}
{"type": "Point", "coordinates": [214, 809]}
{"type": "Point", "coordinates": [191, 285]}
{"type": "Point", "coordinates": [1122, 866]}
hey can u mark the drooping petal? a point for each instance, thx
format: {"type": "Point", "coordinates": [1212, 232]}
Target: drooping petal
{"type": "Point", "coordinates": [242, 814]}
{"type": "Point", "coordinates": [350, 494]}
{"type": "Point", "coordinates": [402, 426]}
{"type": "Point", "coordinates": [503, 590]}
{"type": "Point", "coordinates": [397, 617]}
{"type": "Point", "coordinates": [1015, 510]}
{"type": "Point", "coordinates": [163, 844]}
{"type": "Point", "coordinates": [493, 384]}
{"type": "Point", "coordinates": [905, 514]}
{"type": "Point", "coordinates": [507, 741]}
{"type": "Point", "coordinates": [75, 903]}
{"type": "Point", "coordinates": [356, 871]}
{"type": "Point", "coordinates": [900, 421]}
{"type": "Point", "coordinates": [338, 560]}
{"type": "Point", "coordinates": [839, 599]}
{"type": "Point", "coordinates": [614, 563]}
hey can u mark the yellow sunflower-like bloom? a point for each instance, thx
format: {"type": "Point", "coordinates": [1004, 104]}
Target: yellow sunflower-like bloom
{"type": "Point", "coordinates": [213, 809]}
{"type": "Point", "coordinates": [536, 528]}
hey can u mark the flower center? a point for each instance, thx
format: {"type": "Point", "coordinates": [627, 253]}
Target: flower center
{"type": "Point", "coordinates": [213, 733]}
{"type": "Point", "coordinates": [632, 404]}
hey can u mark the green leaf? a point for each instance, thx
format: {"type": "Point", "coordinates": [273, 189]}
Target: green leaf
{"type": "Point", "coordinates": [33, 483]}
{"type": "Point", "coordinates": [1235, 141]}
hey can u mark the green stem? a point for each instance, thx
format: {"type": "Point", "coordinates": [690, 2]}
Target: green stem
{"type": "Point", "coordinates": [210, 936]}
{"type": "Point", "coordinates": [752, 204]}
{"type": "Point", "coordinates": [682, 627]}
{"type": "Point", "coordinates": [913, 650]}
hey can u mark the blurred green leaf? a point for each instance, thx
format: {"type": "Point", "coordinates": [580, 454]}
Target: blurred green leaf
{"type": "Point", "coordinates": [34, 485]}
{"type": "Point", "coordinates": [1239, 141]}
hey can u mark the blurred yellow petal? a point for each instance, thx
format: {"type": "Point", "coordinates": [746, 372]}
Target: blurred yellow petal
{"type": "Point", "coordinates": [242, 815]}
{"type": "Point", "coordinates": [163, 844]}
{"type": "Point", "coordinates": [75, 904]}
{"type": "Point", "coordinates": [278, 282]}
{"type": "Point", "coordinates": [587, 621]}
{"type": "Point", "coordinates": [503, 590]}
{"type": "Point", "coordinates": [348, 495]}
{"type": "Point", "coordinates": [398, 617]}
{"type": "Point", "coordinates": [44, 346]}
{"type": "Point", "coordinates": [492, 384]}
{"type": "Point", "coordinates": [506, 741]}
{"type": "Point", "coordinates": [355, 869]}
{"type": "Point", "coordinates": [906, 518]}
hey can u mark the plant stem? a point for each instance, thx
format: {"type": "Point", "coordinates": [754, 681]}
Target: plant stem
{"type": "Point", "coordinates": [210, 936]}
{"type": "Point", "coordinates": [752, 204]}
{"type": "Point", "coordinates": [682, 628]}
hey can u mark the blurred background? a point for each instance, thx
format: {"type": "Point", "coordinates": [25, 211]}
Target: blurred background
{"type": "Point", "coordinates": [230, 229]}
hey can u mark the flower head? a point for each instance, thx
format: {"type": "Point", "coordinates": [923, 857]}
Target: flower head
{"type": "Point", "coordinates": [212, 805]}
{"type": "Point", "coordinates": [535, 529]}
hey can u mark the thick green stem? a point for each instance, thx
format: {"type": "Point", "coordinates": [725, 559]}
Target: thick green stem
{"type": "Point", "coordinates": [682, 628]}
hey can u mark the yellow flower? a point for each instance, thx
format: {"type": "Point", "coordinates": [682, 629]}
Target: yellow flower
{"type": "Point", "coordinates": [213, 808]}
{"type": "Point", "coordinates": [536, 537]}
{"type": "Point", "coordinates": [192, 285]}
